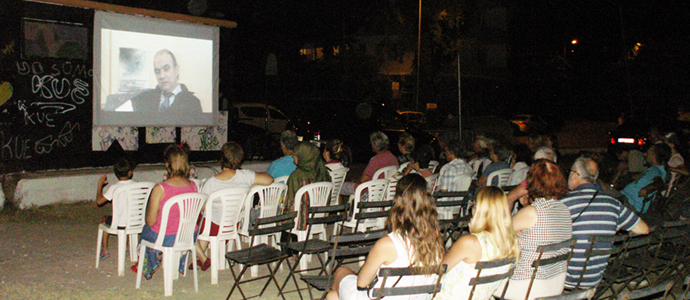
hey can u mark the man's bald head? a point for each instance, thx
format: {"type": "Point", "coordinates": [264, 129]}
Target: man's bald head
{"type": "Point", "coordinates": [585, 170]}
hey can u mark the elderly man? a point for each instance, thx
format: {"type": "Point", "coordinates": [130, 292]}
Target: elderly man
{"type": "Point", "coordinates": [383, 158]}
{"type": "Point", "coordinates": [593, 213]}
{"type": "Point", "coordinates": [169, 96]}
{"type": "Point", "coordinates": [286, 164]}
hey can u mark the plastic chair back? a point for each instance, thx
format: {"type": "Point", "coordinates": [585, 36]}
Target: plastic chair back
{"type": "Point", "coordinates": [431, 182]}
{"type": "Point", "coordinates": [376, 190]}
{"type": "Point", "coordinates": [281, 179]}
{"type": "Point", "coordinates": [270, 197]}
{"type": "Point", "coordinates": [338, 178]}
{"type": "Point", "coordinates": [385, 172]}
{"type": "Point", "coordinates": [227, 204]}
{"type": "Point", "coordinates": [319, 194]}
{"type": "Point", "coordinates": [518, 176]}
{"type": "Point", "coordinates": [131, 198]}
{"type": "Point", "coordinates": [502, 175]}
{"type": "Point", "coordinates": [188, 206]}
{"type": "Point", "coordinates": [390, 189]}
{"type": "Point", "coordinates": [433, 165]}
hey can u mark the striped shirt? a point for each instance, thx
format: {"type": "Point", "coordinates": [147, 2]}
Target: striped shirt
{"type": "Point", "coordinates": [552, 226]}
{"type": "Point", "coordinates": [603, 216]}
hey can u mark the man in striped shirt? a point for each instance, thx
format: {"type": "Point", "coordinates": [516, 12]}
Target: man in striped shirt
{"type": "Point", "coordinates": [593, 213]}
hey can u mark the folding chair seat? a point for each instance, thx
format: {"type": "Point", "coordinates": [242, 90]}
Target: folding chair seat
{"type": "Point", "coordinates": [375, 191]}
{"type": "Point", "coordinates": [343, 247]}
{"type": "Point", "coordinates": [598, 249]}
{"type": "Point", "coordinates": [338, 178]}
{"type": "Point", "coordinates": [502, 175]}
{"type": "Point", "coordinates": [261, 254]}
{"type": "Point", "coordinates": [662, 289]}
{"type": "Point", "coordinates": [500, 270]}
{"type": "Point", "coordinates": [674, 253]}
{"type": "Point", "coordinates": [226, 205]}
{"type": "Point", "coordinates": [551, 254]}
{"type": "Point", "coordinates": [454, 228]}
{"type": "Point", "coordinates": [189, 206]}
{"type": "Point", "coordinates": [131, 198]}
{"type": "Point", "coordinates": [618, 276]}
{"type": "Point", "coordinates": [318, 216]}
{"type": "Point", "coordinates": [587, 294]}
{"type": "Point", "coordinates": [390, 279]}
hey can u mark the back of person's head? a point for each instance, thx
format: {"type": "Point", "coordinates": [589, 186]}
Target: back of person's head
{"type": "Point", "coordinates": [587, 169]}
{"type": "Point", "coordinates": [482, 146]}
{"type": "Point", "coordinates": [546, 153]}
{"type": "Point", "coordinates": [406, 142]}
{"type": "Point", "coordinates": [662, 152]}
{"type": "Point", "coordinates": [123, 168]}
{"type": "Point", "coordinates": [423, 155]}
{"type": "Point", "coordinates": [176, 160]}
{"type": "Point", "coordinates": [414, 216]}
{"type": "Point", "coordinates": [522, 153]}
{"type": "Point", "coordinates": [288, 139]}
{"type": "Point", "coordinates": [339, 151]}
{"type": "Point", "coordinates": [231, 156]}
{"type": "Point", "coordinates": [379, 141]}
{"type": "Point", "coordinates": [545, 180]}
{"type": "Point", "coordinates": [457, 148]}
{"type": "Point", "coordinates": [501, 152]}
{"type": "Point", "coordinates": [491, 214]}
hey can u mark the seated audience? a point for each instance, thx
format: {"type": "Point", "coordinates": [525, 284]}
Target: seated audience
{"type": "Point", "coordinates": [382, 159]}
{"type": "Point", "coordinates": [520, 191]}
{"type": "Point", "coordinates": [177, 166]}
{"type": "Point", "coordinates": [479, 160]}
{"type": "Point", "coordinates": [650, 181]}
{"type": "Point", "coordinates": [491, 237]}
{"type": "Point", "coordinates": [337, 155]}
{"type": "Point", "coordinates": [124, 171]}
{"type": "Point", "coordinates": [451, 171]}
{"type": "Point", "coordinates": [419, 161]}
{"type": "Point", "coordinates": [230, 176]}
{"type": "Point", "coordinates": [415, 240]}
{"type": "Point", "coordinates": [310, 169]}
{"type": "Point", "coordinates": [406, 146]}
{"type": "Point", "coordinates": [593, 213]}
{"type": "Point", "coordinates": [284, 165]}
{"type": "Point", "coordinates": [543, 221]}
{"type": "Point", "coordinates": [499, 156]}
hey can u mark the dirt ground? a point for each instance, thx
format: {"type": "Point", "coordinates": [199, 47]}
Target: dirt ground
{"type": "Point", "coordinates": [49, 253]}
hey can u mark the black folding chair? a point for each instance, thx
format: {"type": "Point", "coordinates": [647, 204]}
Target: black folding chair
{"type": "Point", "coordinates": [618, 276]}
{"type": "Point", "coordinates": [482, 266]}
{"type": "Point", "coordinates": [261, 254]}
{"type": "Point", "coordinates": [344, 247]}
{"type": "Point", "coordinates": [598, 247]}
{"type": "Point", "coordinates": [651, 292]}
{"type": "Point", "coordinates": [322, 215]}
{"type": "Point", "coordinates": [395, 274]}
{"type": "Point", "coordinates": [565, 247]}
{"type": "Point", "coordinates": [587, 294]}
{"type": "Point", "coordinates": [368, 210]}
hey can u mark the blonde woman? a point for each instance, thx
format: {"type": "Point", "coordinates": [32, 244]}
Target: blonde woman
{"type": "Point", "coordinates": [415, 240]}
{"type": "Point", "coordinates": [492, 237]}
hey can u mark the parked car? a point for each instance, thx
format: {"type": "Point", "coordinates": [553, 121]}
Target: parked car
{"type": "Point", "coordinates": [528, 123]}
{"type": "Point", "coordinates": [628, 136]}
{"type": "Point", "coordinates": [261, 115]}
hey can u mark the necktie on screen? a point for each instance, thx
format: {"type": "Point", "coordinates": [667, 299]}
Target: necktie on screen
{"type": "Point", "coordinates": [166, 102]}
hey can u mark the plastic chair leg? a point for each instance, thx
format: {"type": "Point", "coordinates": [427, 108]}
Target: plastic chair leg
{"type": "Point", "coordinates": [99, 240]}
{"type": "Point", "coordinates": [121, 245]}
{"type": "Point", "coordinates": [214, 259]}
{"type": "Point", "coordinates": [133, 242]}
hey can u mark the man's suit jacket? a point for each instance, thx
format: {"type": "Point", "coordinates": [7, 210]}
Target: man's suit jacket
{"type": "Point", "coordinates": [149, 101]}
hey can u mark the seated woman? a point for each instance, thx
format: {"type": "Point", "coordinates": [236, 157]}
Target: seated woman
{"type": "Point", "coordinates": [544, 220]}
{"type": "Point", "coordinates": [337, 155]}
{"type": "Point", "coordinates": [499, 156]}
{"type": "Point", "coordinates": [310, 169]}
{"type": "Point", "coordinates": [492, 237]}
{"type": "Point", "coordinates": [231, 176]}
{"type": "Point", "coordinates": [177, 167]}
{"type": "Point", "coordinates": [415, 240]}
{"type": "Point", "coordinates": [419, 161]}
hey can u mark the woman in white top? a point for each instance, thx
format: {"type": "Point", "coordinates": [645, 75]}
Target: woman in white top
{"type": "Point", "coordinates": [415, 240]}
{"type": "Point", "coordinates": [492, 237]}
{"type": "Point", "coordinates": [231, 176]}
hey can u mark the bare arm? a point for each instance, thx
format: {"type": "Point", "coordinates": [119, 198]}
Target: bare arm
{"type": "Point", "coordinates": [640, 228]}
{"type": "Point", "coordinates": [102, 182]}
{"type": "Point", "coordinates": [525, 218]}
{"type": "Point", "coordinates": [656, 185]}
{"type": "Point", "coordinates": [262, 178]}
{"type": "Point", "coordinates": [383, 252]}
{"type": "Point", "coordinates": [152, 207]}
{"type": "Point", "coordinates": [518, 192]}
{"type": "Point", "coordinates": [466, 249]}
{"type": "Point", "coordinates": [364, 178]}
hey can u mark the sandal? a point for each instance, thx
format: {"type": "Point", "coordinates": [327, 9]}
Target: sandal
{"type": "Point", "coordinates": [104, 256]}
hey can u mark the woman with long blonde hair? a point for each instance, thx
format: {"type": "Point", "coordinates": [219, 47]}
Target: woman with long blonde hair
{"type": "Point", "coordinates": [491, 237]}
{"type": "Point", "coordinates": [414, 241]}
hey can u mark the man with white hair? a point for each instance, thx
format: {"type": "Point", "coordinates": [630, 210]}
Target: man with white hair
{"type": "Point", "coordinates": [593, 213]}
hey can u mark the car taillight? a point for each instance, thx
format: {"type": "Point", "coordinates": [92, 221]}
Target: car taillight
{"type": "Point", "coordinates": [613, 141]}
{"type": "Point", "coordinates": [640, 142]}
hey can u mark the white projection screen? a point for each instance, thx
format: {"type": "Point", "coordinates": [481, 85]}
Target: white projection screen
{"type": "Point", "coordinates": [138, 60]}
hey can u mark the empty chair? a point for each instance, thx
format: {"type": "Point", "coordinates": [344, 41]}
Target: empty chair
{"type": "Point", "coordinates": [375, 190]}
{"type": "Point", "coordinates": [189, 206]}
{"type": "Point", "coordinates": [222, 208]}
{"type": "Point", "coordinates": [501, 177]}
{"type": "Point", "coordinates": [131, 198]}
{"type": "Point", "coordinates": [338, 178]}
{"type": "Point", "coordinates": [385, 172]}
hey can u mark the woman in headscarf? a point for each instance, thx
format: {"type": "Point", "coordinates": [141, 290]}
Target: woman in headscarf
{"type": "Point", "coordinates": [310, 169]}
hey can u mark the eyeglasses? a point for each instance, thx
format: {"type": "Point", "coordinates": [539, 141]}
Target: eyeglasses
{"type": "Point", "coordinates": [573, 171]}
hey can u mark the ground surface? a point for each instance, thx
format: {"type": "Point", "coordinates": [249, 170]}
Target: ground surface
{"type": "Point", "coordinates": [49, 253]}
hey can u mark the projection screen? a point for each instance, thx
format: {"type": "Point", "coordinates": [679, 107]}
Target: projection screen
{"type": "Point", "coordinates": [154, 72]}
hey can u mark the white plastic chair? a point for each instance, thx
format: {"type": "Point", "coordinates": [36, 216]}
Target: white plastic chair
{"type": "Point", "coordinates": [281, 179]}
{"type": "Point", "coordinates": [402, 167]}
{"type": "Point", "coordinates": [270, 196]}
{"type": "Point", "coordinates": [518, 176]}
{"type": "Point", "coordinates": [338, 178]}
{"type": "Point", "coordinates": [376, 190]}
{"type": "Point", "coordinates": [502, 175]}
{"type": "Point", "coordinates": [319, 194]}
{"type": "Point", "coordinates": [131, 198]}
{"type": "Point", "coordinates": [189, 205]}
{"type": "Point", "coordinates": [390, 189]}
{"type": "Point", "coordinates": [433, 164]}
{"type": "Point", "coordinates": [461, 183]}
{"type": "Point", "coordinates": [385, 172]}
{"type": "Point", "coordinates": [431, 182]}
{"type": "Point", "coordinates": [226, 204]}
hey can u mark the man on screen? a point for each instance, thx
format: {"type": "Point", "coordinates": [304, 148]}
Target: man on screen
{"type": "Point", "coordinates": [169, 96]}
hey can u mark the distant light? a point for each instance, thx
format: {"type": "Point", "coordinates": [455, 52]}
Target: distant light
{"type": "Point", "coordinates": [574, 42]}
{"type": "Point", "coordinates": [383, 104]}
{"type": "Point", "coordinates": [626, 140]}
{"type": "Point", "coordinates": [639, 44]}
